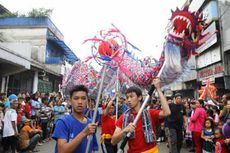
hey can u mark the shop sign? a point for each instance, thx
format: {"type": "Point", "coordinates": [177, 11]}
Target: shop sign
{"type": "Point", "coordinates": [195, 5]}
{"type": "Point", "coordinates": [210, 80]}
{"type": "Point", "coordinates": [212, 71]}
{"type": "Point", "coordinates": [210, 12]}
{"type": "Point", "coordinates": [209, 39]}
{"type": "Point", "coordinates": [209, 57]}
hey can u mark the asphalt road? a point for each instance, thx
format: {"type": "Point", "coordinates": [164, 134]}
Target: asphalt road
{"type": "Point", "coordinates": [49, 146]}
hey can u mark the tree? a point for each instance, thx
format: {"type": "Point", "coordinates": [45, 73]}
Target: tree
{"type": "Point", "coordinates": [5, 15]}
{"type": "Point", "coordinates": [41, 12]}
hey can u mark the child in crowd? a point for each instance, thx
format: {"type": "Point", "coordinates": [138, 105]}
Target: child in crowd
{"type": "Point", "coordinates": [207, 135]}
{"type": "Point", "coordinates": [1, 119]}
{"type": "Point", "coordinates": [220, 146]}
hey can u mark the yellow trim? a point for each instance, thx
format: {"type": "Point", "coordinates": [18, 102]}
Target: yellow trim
{"type": "Point", "coordinates": [153, 150]}
{"type": "Point", "coordinates": [105, 136]}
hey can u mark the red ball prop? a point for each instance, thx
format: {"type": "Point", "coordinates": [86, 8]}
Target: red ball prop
{"type": "Point", "coordinates": [108, 48]}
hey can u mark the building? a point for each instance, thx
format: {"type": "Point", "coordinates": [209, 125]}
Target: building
{"type": "Point", "coordinates": [33, 55]}
{"type": "Point", "coordinates": [213, 60]}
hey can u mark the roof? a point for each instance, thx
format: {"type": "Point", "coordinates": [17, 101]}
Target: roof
{"type": "Point", "coordinates": [4, 10]}
{"type": "Point", "coordinates": [69, 54]}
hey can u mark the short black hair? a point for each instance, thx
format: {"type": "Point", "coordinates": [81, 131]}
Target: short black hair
{"type": "Point", "coordinates": [178, 95]}
{"type": "Point", "coordinates": [134, 89]}
{"type": "Point", "coordinates": [45, 99]}
{"type": "Point", "coordinates": [28, 99]}
{"type": "Point", "coordinates": [2, 105]}
{"type": "Point", "coordinates": [201, 101]}
{"type": "Point", "coordinates": [78, 88]}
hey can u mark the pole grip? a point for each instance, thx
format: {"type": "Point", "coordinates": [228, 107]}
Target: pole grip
{"type": "Point", "coordinates": [152, 88]}
{"type": "Point", "coordinates": [123, 144]}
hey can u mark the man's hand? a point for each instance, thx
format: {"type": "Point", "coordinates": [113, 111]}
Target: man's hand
{"type": "Point", "coordinates": [157, 83]}
{"type": "Point", "coordinates": [129, 128]}
{"type": "Point", "coordinates": [90, 129]}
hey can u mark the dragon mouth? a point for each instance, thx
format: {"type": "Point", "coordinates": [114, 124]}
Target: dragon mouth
{"type": "Point", "coordinates": [180, 26]}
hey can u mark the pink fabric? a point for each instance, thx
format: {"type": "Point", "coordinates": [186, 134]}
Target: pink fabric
{"type": "Point", "coordinates": [216, 118]}
{"type": "Point", "coordinates": [197, 120]}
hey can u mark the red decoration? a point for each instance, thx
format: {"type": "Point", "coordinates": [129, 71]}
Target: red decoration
{"type": "Point", "coordinates": [108, 48]}
{"type": "Point", "coordinates": [208, 91]}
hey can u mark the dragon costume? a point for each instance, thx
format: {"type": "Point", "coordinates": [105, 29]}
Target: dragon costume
{"type": "Point", "coordinates": [112, 48]}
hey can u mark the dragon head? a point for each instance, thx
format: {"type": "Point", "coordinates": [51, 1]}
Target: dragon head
{"type": "Point", "coordinates": [185, 29]}
{"type": "Point", "coordinates": [183, 23]}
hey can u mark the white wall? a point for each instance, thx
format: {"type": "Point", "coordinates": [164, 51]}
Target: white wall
{"type": "Point", "coordinates": [16, 53]}
{"type": "Point", "coordinates": [35, 36]}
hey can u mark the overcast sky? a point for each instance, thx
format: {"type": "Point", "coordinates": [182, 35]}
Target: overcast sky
{"type": "Point", "coordinates": [143, 22]}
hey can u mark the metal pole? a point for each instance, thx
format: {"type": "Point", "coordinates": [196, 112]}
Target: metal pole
{"type": "Point", "coordinates": [96, 107]}
{"type": "Point", "coordinates": [140, 111]}
{"type": "Point", "coordinates": [117, 90]}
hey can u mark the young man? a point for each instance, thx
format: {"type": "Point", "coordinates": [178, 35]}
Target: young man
{"type": "Point", "coordinates": [29, 137]}
{"type": "Point", "coordinates": [176, 122]}
{"type": "Point", "coordinates": [143, 137]}
{"type": "Point", "coordinates": [88, 112]}
{"type": "Point", "coordinates": [108, 127]}
{"type": "Point", "coordinates": [72, 130]}
{"type": "Point", "coordinates": [10, 131]}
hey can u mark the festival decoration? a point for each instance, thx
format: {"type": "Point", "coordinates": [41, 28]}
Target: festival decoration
{"type": "Point", "coordinates": [81, 73]}
{"type": "Point", "coordinates": [111, 48]}
{"type": "Point", "coordinates": [106, 46]}
{"type": "Point", "coordinates": [184, 33]}
{"type": "Point", "coordinates": [209, 90]}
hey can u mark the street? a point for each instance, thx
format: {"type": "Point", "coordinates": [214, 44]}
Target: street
{"type": "Point", "coordinates": [49, 146]}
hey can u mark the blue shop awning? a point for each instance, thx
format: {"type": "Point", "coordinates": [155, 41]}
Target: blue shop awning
{"type": "Point", "coordinates": [69, 54]}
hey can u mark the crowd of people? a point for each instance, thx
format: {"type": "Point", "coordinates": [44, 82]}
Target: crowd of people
{"type": "Point", "coordinates": [27, 121]}
{"type": "Point", "coordinates": [30, 120]}
{"type": "Point", "coordinates": [204, 126]}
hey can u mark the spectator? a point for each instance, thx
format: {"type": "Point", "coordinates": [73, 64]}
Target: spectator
{"type": "Point", "coordinates": [176, 122]}
{"type": "Point", "coordinates": [45, 115]}
{"type": "Point", "coordinates": [6, 102]}
{"type": "Point", "coordinates": [10, 131]}
{"type": "Point", "coordinates": [90, 111]}
{"type": "Point", "coordinates": [27, 107]}
{"type": "Point", "coordinates": [35, 107]}
{"type": "Point", "coordinates": [29, 137]}
{"type": "Point", "coordinates": [197, 123]}
{"type": "Point", "coordinates": [207, 135]}
{"type": "Point", "coordinates": [1, 120]}
{"type": "Point", "coordinates": [215, 115]}
{"type": "Point", "coordinates": [122, 106]}
{"type": "Point", "coordinates": [58, 112]}
{"type": "Point", "coordinates": [220, 145]}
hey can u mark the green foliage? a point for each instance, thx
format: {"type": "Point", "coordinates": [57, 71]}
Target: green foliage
{"type": "Point", "coordinates": [41, 12]}
{"type": "Point", "coordinates": [6, 15]}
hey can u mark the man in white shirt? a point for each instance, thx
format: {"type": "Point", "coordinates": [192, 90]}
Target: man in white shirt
{"type": "Point", "coordinates": [10, 131]}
